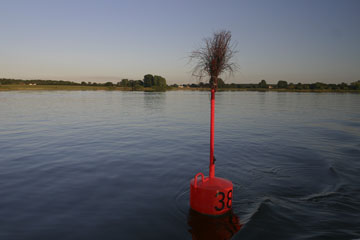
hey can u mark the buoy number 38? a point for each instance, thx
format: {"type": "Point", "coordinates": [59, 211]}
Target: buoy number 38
{"type": "Point", "coordinates": [224, 200]}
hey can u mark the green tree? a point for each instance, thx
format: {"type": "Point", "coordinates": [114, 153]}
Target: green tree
{"type": "Point", "coordinates": [355, 85]}
{"type": "Point", "coordinates": [148, 80]}
{"type": "Point", "coordinates": [263, 84]}
{"type": "Point", "coordinates": [299, 86]}
{"type": "Point", "coordinates": [306, 86]}
{"type": "Point", "coordinates": [317, 85]}
{"type": "Point", "coordinates": [135, 85]}
{"type": "Point", "coordinates": [220, 83]}
{"type": "Point", "coordinates": [140, 83]}
{"type": "Point", "coordinates": [332, 86]}
{"type": "Point", "coordinates": [343, 86]}
{"type": "Point", "coordinates": [159, 81]}
{"type": "Point", "coordinates": [156, 82]}
{"type": "Point", "coordinates": [282, 84]}
{"type": "Point", "coordinates": [124, 83]}
{"type": "Point", "coordinates": [291, 86]}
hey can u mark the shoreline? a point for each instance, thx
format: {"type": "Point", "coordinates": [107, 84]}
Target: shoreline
{"type": "Point", "coordinates": [13, 87]}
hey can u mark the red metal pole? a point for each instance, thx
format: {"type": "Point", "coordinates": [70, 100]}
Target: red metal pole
{"type": "Point", "coordinates": [212, 127]}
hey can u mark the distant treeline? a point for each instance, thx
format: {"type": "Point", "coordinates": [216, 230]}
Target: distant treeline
{"type": "Point", "coordinates": [281, 84]}
{"type": "Point", "coordinates": [7, 81]}
{"type": "Point", "coordinates": [149, 81]}
{"type": "Point", "coordinates": [159, 83]}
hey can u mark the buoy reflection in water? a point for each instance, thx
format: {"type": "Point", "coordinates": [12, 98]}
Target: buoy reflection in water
{"type": "Point", "coordinates": [209, 227]}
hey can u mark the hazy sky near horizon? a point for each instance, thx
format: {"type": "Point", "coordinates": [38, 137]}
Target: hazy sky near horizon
{"type": "Point", "coordinates": [83, 40]}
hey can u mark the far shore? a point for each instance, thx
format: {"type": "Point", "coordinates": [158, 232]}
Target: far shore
{"type": "Point", "coordinates": [14, 87]}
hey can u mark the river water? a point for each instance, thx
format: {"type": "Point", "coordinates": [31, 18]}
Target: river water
{"type": "Point", "coordinates": [117, 165]}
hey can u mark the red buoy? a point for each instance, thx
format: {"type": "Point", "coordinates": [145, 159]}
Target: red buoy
{"type": "Point", "coordinates": [211, 195]}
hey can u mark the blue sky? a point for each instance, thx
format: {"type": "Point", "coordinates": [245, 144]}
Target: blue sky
{"type": "Point", "coordinates": [83, 40]}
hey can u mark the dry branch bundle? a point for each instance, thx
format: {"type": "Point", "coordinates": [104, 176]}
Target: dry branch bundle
{"type": "Point", "coordinates": [214, 58]}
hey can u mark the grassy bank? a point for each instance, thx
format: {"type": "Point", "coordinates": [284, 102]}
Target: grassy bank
{"type": "Point", "coordinates": [15, 87]}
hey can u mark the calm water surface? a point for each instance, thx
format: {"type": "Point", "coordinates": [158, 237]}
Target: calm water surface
{"type": "Point", "coordinates": [117, 165]}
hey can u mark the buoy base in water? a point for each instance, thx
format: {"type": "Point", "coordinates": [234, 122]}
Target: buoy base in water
{"type": "Point", "coordinates": [210, 195]}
